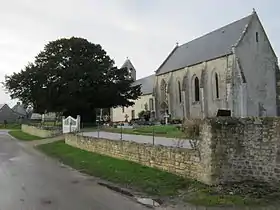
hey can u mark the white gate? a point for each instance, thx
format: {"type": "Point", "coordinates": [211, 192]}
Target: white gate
{"type": "Point", "coordinates": [71, 124]}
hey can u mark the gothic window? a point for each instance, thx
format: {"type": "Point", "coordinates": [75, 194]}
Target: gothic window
{"type": "Point", "coordinates": [163, 90]}
{"type": "Point", "coordinates": [217, 85]}
{"type": "Point", "coordinates": [196, 89]}
{"type": "Point", "coordinates": [123, 109]}
{"type": "Point", "coordinates": [257, 36]}
{"type": "Point", "coordinates": [179, 92]}
{"type": "Point", "coordinates": [151, 104]}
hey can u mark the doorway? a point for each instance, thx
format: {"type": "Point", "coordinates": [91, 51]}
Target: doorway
{"type": "Point", "coordinates": [132, 114]}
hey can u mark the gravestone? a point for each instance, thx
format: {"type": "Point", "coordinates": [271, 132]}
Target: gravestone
{"type": "Point", "coordinates": [223, 113]}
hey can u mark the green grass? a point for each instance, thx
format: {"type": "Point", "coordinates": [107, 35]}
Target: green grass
{"type": "Point", "coordinates": [148, 180]}
{"type": "Point", "coordinates": [12, 126]}
{"type": "Point", "coordinates": [18, 134]}
{"type": "Point", "coordinates": [155, 182]}
{"type": "Point", "coordinates": [170, 131]}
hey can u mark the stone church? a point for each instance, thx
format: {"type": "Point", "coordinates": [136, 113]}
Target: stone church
{"type": "Point", "coordinates": [232, 68]}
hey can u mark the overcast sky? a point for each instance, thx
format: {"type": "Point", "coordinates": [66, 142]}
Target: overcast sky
{"type": "Point", "coordinates": [143, 30]}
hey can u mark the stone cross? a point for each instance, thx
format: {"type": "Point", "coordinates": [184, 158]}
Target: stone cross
{"type": "Point", "coordinates": [166, 116]}
{"type": "Point", "coordinates": [126, 117]}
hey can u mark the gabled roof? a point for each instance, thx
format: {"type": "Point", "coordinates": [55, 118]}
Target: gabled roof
{"type": "Point", "coordinates": [210, 46]}
{"type": "Point", "coordinates": [147, 84]}
{"type": "Point", "coordinates": [19, 108]}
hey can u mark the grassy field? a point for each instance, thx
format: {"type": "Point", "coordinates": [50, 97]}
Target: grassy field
{"type": "Point", "coordinates": [170, 131]}
{"type": "Point", "coordinates": [18, 134]}
{"type": "Point", "coordinates": [10, 126]}
{"type": "Point", "coordinates": [155, 182]}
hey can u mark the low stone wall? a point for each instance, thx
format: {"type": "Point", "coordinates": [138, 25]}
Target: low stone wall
{"type": "Point", "coordinates": [184, 162]}
{"type": "Point", "coordinates": [32, 130]}
{"type": "Point", "coordinates": [229, 150]}
{"type": "Point", "coordinates": [245, 149]}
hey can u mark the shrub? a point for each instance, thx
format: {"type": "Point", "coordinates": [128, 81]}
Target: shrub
{"type": "Point", "coordinates": [191, 128]}
{"type": "Point", "coordinates": [144, 115]}
{"type": "Point", "coordinates": [176, 121]}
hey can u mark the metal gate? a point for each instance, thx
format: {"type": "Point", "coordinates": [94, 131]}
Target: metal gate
{"type": "Point", "coordinates": [71, 124]}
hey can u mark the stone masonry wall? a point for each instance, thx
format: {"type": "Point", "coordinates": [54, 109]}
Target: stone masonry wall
{"type": "Point", "coordinates": [245, 149]}
{"type": "Point", "coordinates": [183, 162]}
{"type": "Point", "coordinates": [32, 130]}
{"type": "Point", "coordinates": [229, 150]}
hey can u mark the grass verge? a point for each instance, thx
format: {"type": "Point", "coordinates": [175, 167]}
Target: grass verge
{"type": "Point", "coordinates": [156, 182]}
{"type": "Point", "coordinates": [12, 126]}
{"type": "Point", "coordinates": [18, 134]}
{"type": "Point", "coordinates": [169, 131]}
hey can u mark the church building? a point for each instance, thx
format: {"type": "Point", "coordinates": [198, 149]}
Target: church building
{"type": "Point", "coordinates": [232, 68]}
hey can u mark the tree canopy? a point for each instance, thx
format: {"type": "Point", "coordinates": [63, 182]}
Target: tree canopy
{"type": "Point", "coordinates": [72, 76]}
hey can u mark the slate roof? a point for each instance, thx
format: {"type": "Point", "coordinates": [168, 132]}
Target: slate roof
{"type": "Point", "coordinates": [19, 108]}
{"type": "Point", "coordinates": [147, 84]}
{"type": "Point", "coordinates": [210, 46]}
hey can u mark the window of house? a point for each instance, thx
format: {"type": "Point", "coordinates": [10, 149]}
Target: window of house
{"type": "Point", "coordinates": [179, 92]}
{"type": "Point", "coordinates": [196, 89]}
{"type": "Point", "coordinates": [123, 109]}
{"type": "Point", "coordinates": [257, 36]}
{"type": "Point", "coordinates": [133, 114]}
{"type": "Point", "coordinates": [151, 104]}
{"type": "Point", "coordinates": [217, 85]}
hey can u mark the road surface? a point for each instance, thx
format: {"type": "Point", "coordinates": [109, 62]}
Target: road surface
{"type": "Point", "coordinates": [31, 181]}
{"type": "Point", "coordinates": [169, 142]}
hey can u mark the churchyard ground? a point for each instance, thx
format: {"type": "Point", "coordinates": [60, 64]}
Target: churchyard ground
{"type": "Point", "coordinates": [159, 184]}
{"type": "Point", "coordinates": [169, 131]}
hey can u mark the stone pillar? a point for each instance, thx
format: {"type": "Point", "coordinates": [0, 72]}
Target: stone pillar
{"type": "Point", "coordinates": [243, 100]}
{"type": "Point", "coordinates": [202, 102]}
{"type": "Point", "coordinates": [78, 122]}
{"type": "Point", "coordinates": [184, 104]}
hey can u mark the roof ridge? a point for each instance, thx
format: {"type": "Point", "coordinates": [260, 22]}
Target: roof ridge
{"type": "Point", "coordinates": [144, 77]}
{"type": "Point", "coordinates": [215, 30]}
{"type": "Point", "coordinates": [214, 44]}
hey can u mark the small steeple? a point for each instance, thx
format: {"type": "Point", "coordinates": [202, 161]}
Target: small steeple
{"type": "Point", "coordinates": [254, 11]}
{"type": "Point", "coordinates": [177, 44]}
{"type": "Point", "coordinates": [127, 64]}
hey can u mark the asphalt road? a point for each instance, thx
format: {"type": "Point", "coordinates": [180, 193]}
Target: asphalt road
{"type": "Point", "coordinates": [31, 181]}
{"type": "Point", "coordinates": [169, 142]}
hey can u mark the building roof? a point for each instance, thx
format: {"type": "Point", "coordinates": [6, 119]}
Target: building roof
{"type": "Point", "coordinates": [147, 84]}
{"type": "Point", "coordinates": [19, 108]}
{"type": "Point", "coordinates": [210, 46]}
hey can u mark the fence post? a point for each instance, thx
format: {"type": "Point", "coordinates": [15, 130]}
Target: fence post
{"type": "Point", "coordinates": [98, 129]}
{"type": "Point", "coordinates": [121, 131]}
{"type": "Point", "coordinates": [153, 135]}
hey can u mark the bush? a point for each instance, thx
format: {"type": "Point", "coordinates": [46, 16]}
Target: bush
{"type": "Point", "coordinates": [191, 128]}
{"type": "Point", "coordinates": [144, 115]}
{"type": "Point", "coordinates": [176, 121]}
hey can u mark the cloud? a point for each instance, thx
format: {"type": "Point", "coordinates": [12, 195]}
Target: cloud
{"type": "Point", "coordinates": [145, 31]}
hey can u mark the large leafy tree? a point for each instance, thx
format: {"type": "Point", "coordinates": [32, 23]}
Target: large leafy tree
{"type": "Point", "coordinates": [72, 76]}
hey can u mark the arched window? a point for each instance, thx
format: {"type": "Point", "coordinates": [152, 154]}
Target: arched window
{"type": "Point", "coordinates": [179, 92]}
{"type": "Point", "coordinates": [217, 85]}
{"type": "Point", "coordinates": [196, 89]}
